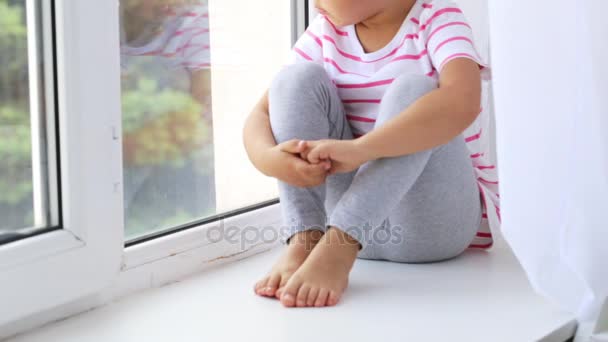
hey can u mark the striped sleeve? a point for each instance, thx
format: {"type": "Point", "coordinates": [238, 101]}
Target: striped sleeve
{"type": "Point", "coordinates": [194, 46]}
{"type": "Point", "coordinates": [309, 47]}
{"type": "Point", "coordinates": [448, 35]}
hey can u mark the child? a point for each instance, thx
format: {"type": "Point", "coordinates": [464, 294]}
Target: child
{"type": "Point", "coordinates": [171, 37]}
{"type": "Point", "coordinates": [365, 132]}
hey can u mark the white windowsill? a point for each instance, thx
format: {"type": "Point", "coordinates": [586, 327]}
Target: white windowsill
{"type": "Point", "coordinates": [479, 296]}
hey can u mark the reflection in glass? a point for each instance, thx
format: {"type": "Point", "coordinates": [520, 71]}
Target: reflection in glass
{"type": "Point", "coordinates": [167, 123]}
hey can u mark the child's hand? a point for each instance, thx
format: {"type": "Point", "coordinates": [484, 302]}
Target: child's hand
{"type": "Point", "coordinates": [290, 167]}
{"type": "Point", "coordinates": [345, 155]}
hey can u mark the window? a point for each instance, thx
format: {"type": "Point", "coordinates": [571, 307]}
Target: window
{"type": "Point", "coordinates": [191, 72]}
{"type": "Point", "coordinates": [60, 168]}
{"type": "Point", "coordinates": [102, 142]}
{"type": "Point", "coordinates": [28, 177]}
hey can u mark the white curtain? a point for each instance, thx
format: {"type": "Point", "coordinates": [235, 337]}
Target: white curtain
{"type": "Point", "coordinates": [550, 81]}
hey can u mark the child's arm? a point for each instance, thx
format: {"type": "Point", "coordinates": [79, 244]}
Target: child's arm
{"type": "Point", "coordinates": [434, 119]}
{"type": "Point", "coordinates": [280, 161]}
{"type": "Point", "coordinates": [200, 86]}
{"type": "Point", "coordinates": [258, 137]}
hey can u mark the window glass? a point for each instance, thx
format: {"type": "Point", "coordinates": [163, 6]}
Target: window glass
{"type": "Point", "coordinates": [24, 154]}
{"type": "Point", "coordinates": [191, 72]}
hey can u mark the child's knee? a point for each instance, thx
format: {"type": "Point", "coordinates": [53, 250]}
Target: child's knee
{"type": "Point", "coordinates": [296, 78]}
{"type": "Point", "coordinates": [406, 89]}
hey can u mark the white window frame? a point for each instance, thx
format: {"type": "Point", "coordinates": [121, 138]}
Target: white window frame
{"type": "Point", "coordinates": [57, 274]}
{"type": "Point", "coordinates": [50, 269]}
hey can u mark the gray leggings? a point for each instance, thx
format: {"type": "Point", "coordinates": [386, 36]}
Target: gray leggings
{"type": "Point", "coordinates": [420, 207]}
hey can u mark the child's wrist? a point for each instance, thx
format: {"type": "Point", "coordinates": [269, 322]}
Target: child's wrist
{"type": "Point", "coordinates": [263, 161]}
{"type": "Point", "coordinates": [365, 148]}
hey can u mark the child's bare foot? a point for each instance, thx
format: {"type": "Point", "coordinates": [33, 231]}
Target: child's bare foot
{"type": "Point", "coordinates": [323, 276]}
{"type": "Point", "coordinates": [299, 247]}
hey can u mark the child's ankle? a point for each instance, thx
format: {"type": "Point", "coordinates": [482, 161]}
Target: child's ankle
{"type": "Point", "coordinates": [306, 239]}
{"type": "Point", "coordinates": [336, 236]}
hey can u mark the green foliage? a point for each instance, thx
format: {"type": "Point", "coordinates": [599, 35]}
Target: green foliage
{"type": "Point", "coordinates": [15, 156]}
{"type": "Point", "coordinates": [160, 126]}
{"type": "Point", "coordinates": [11, 21]}
{"type": "Point", "coordinates": [147, 102]}
{"type": "Point", "coordinates": [15, 138]}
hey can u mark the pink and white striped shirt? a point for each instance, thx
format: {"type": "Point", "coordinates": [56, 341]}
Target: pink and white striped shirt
{"type": "Point", "coordinates": [183, 41]}
{"type": "Point", "coordinates": [434, 33]}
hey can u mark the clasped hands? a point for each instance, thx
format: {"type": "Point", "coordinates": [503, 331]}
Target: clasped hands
{"type": "Point", "coordinates": [324, 157]}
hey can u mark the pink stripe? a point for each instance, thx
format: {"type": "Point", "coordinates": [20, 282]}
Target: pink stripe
{"type": "Point", "coordinates": [357, 58]}
{"type": "Point", "coordinates": [430, 74]}
{"type": "Point", "coordinates": [186, 46]}
{"type": "Point", "coordinates": [361, 101]}
{"type": "Point", "coordinates": [359, 118]}
{"type": "Point", "coordinates": [444, 26]}
{"type": "Point", "coordinates": [152, 53]}
{"type": "Point", "coordinates": [342, 71]}
{"type": "Point", "coordinates": [452, 40]}
{"type": "Point", "coordinates": [427, 5]}
{"type": "Point", "coordinates": [194, 14]}
{"type": "Point", "coordinates": [497, 212]}
{"type": "Point", "coordinates": [171, 12]}
{"type": "Point", "coordinates": [450, 57]}
{"type": "Point", "coordinates": [473, 137]}
{"type": "Point", "coordinates": [365, 85]}
{"type": "Point", "coordinates": [477, 155]}
{"type": "Point", "coordinates": [415, 21]}
{"type": "Point", "coordinates": [438, 13]}
{"type": "Point", "coordinates": [200, 65]}
{"type": "Point", "coordinates": [486, 167]}
{"type": "Point", "coordinates": [199, 31]}
{"type": "Point", "coordinates": [204, 31]}
{"type": "Point", "coordinates": [202, 48]}
{"type": "Point", "coordinates": [411, 57]}
{"type": "Point", "coordinates": [483, 215]}
{"type": "Point", "coordinates": [343, 53]}
{"type": "Point", "coordinates": [303, 54]}
{"type": "Point", "coordinates": [317, 39]}
{"type": "Point", "coordinates": [481, 179]}
{"type": "Point", "coordinates": [481, 246]}
{"type": "Point", "coordinates": [338, 31]}
{"type": "Point", "coordinates": [481, 234]}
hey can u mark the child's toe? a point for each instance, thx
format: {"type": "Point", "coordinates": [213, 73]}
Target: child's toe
{"type": "Point", "coordinates": [290, 291]}
{"type": "Point", "coordinates": [322, 297]}
{"type": "Point", "coordinates": [302, 295]}
{"type": "Point", "coordinates": [277, 293]}
{"type": "Point", "coordinates": [260, 285]}
{"type": "Point", "coordinates": [333, 298]}
{"type": "Point", "coordinates": [312, 296]}
{"type": "Point", "coordinates": [272, 284]}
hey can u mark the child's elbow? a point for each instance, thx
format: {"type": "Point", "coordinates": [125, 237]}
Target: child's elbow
{"type": "Point", "coordinates": [472, 111]}
{"type": "Point", "coordinates": [467, 105]}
